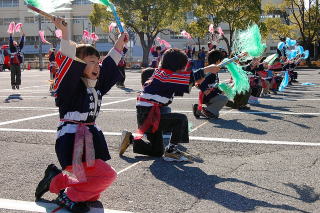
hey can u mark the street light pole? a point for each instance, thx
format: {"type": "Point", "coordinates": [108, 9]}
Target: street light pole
{"type": "Point", "coordinates": [40, 46]}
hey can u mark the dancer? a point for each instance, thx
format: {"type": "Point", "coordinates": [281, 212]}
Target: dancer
{"type": "Point", "coordinates": [16, 60]}
{"type": "Point", "coordinates": [168, 81]}
{"type": "Point", "coordinates": [53, 67]}
{"type": "Point", "coordinates": [210, 94]}
{"type": "Point", "coordinates": [80, 146]}
{"type": "Point", "coordinates": [122, 69]}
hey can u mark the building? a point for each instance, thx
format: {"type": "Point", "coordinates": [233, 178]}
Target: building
{"type": "Point", "coordinates": [16, 10]}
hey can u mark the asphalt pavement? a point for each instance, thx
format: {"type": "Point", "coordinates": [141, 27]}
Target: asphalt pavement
{"type": "Point", "coordinates": [262, 160]}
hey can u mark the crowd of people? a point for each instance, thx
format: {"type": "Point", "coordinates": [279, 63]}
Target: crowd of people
{"type": "Point", "coordinates": [80, 78]}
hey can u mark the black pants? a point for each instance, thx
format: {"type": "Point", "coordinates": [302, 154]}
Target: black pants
{"type": "Point", "coordinates": [169, 122]}
{"type": "Point", "coordinates": [241, 99]}
{"type": "Point", "coordinates": [123, 78]}
{"type": "Point", "coordinates": [15, 74]}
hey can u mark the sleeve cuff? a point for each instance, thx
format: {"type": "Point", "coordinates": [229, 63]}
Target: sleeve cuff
{"type": "Point", "coordinates": [68, 48]}
{"type": "Point", "coordinates": [115, 55]}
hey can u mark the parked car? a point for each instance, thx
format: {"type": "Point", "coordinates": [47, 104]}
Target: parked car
{"type": "Point", "coordinates": [5, 48]}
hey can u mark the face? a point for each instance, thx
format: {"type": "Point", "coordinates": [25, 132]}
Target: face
{"type": "Point", "coordinates": [15, 43]}
{"type": "Point", "coordinates": [92, 69]}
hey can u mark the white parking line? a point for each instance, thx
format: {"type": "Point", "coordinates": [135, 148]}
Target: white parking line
{"type": "Point", "coordinates": [129, 167]}
{"type": "Point", "coordinates": [53, 114]}
{"type": "Point", "coordinates": [176, 111]}
{"type": "Point", "coordinates": [43, 207]}
{"type": "Point", "coordinates": [193, 138]}
{"type": "Point", "coordinates": [27, 119]}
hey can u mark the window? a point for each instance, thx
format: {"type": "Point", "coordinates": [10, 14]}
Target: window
{"type": "Point", "coordinates": [80, 19]}
{"type": "Point", "coordinates": [6, 21]}
{"type": "Point", "coordinates": [81, 2]}
{"type": "Point", "coordinates": [29, 20]}
{"type": "Point", "coordinates": [175, 36]}
{"type": "Point", "coordinates": [31, 39]}
{"type": "Point", "coordinates": [9, 3]}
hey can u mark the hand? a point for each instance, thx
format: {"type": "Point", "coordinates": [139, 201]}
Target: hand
{"type": "Point", "coordinates": [58, 22]}
{"type": "Point", "coordinates": [122, 40]}
{"type": "Point", "coordinates": [212, 68]}
{"type": "Point", "coordinates": [22, 32]}
{"type": "Point", "coordinates": [243, 55]}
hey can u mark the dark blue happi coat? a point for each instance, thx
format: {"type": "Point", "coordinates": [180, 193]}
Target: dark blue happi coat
{"type": "Point", "coordinates": [79, 104]}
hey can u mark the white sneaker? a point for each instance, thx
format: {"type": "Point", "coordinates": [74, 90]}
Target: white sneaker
{"type": "Point", "coordinates": [172, 153]}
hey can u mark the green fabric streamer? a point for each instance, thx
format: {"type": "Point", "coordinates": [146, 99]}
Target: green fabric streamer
{"type": "Point", "coordinates": [240, 81]}
{"type": "Point", "coordinates": [104, 2]}
{"type": "Point", "coordinates": [227, 90]}
{"type": "Point", "coordinates": [270, 59]}
{"type": "Point", "coordinates": [50, 6]}
{"type": "Point", "coordinates": [249, 41]}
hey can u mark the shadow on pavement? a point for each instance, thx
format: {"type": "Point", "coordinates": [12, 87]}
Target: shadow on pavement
{"type": "Point", "coordinates": [306, 193]}
{"type": "Point", "coordinates": [195, 182]}
{"type": "Point", "coordinates": [13, 97]}
{"type": "Point", "coordinates": [236, 126]}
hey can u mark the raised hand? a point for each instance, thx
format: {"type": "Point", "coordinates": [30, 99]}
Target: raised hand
{"type": "Point", "coordinates": [122, 40]}
{"type": "Point", "coordinates": [61, 24]}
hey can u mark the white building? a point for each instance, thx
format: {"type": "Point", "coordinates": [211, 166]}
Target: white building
{"type": "Point", "coordinates": [16, 10]}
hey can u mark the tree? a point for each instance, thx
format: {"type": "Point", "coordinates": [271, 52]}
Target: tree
{"type": "Point", "coordinates": [146, 18]}
{"type": "Point", "coordinates": [302, 16]}
{"type": "Point", "coordinates": [276, 28]}
{"type": "Point", "coordinates": [236, 14]}
{"type": "Point", "coordinates": [198, 29]}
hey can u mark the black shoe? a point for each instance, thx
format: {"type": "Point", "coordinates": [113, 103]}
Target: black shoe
{"type": "Point", "coordinates": [274, 91]}
{"type": "Point", "coordinates": [13, 87]}
{"type": "Point", "coordinates": [17, 86]}
{"type": "Point", "coordinates": [195, 111]}
{"type": "Point", "coordinates": [205, 113]}
{"type": "Point", "coordinates": [44, 184]}
{"type": "Point", "coordinates": [75, 207]}
{"type": "Point", "coordinates": [230, 104]}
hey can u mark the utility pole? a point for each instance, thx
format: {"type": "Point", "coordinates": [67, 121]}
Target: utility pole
{"type": "Point", "coordinates": [40, 45]}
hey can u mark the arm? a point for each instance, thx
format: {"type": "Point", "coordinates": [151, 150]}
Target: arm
{"type": "Point", "coordinates": [109, 73]}
{"type": "Point", "coordinates": [67, 47]}
{"type": "Point", "coordinates": [21, 44]}
{"type": "Point", "coordinates": [68, 77]}
{"type": "Point", "coordinates": [11, 46]}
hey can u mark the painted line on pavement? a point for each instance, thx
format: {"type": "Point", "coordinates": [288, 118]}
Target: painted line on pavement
{"type": "Point", "coordinates": [27, 119]}
{"type": "Point", "coordinates": [193, 138]}
{"type": "Point", "coordinates": [43, 207]}
{"type": "Point", "coordinates": [176, 111]}
{"type": "Point", "coordinates": [53, 114]}
{"type": "Point", "coordinates": [129, 167]}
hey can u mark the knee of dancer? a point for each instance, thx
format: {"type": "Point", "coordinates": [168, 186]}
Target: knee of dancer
{"type": "Point", "coordinates": [183, 117]}
{"type": "Point", "coordinates": [224, 99]}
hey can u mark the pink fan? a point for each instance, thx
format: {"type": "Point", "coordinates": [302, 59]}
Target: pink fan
{"type": "Point", "coordinates": [220, 31]}
{"type": "Point", "coordinates": [18, 27]}
{"type": "Point", "coordinates": [186, 34]}
{"type": "Point", "coordinates": [112, 26]}
{"type": "Point", "coordinates": [58, 33]}
{"type": "Point", "coordinates": [94, 37]}
{"type": "Point", "coordinates": [11, 28]}
{"type": "Point", "coordinates": [41, 33]}
{"type": "Point", "coordinates": [211, 29]}
{"type": "Point", "coordinates": [86, 35]}
{"type": "Point", "coordinates": [163, 42]}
